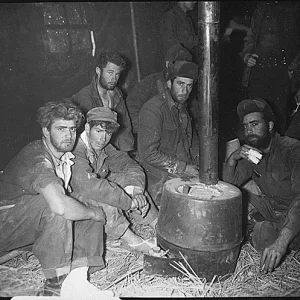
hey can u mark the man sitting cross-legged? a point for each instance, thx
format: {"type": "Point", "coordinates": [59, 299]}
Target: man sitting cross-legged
{"type": "Point", "coordinates": [110, 178]}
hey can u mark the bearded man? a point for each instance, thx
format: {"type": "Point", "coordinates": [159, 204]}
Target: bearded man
{"type": "Point", "coordinates": [65, 235]}
{"type": "Point", "coordinates": [167, 145]}
{"type": "Point", "coordinates": [102, 91]}
{"type": "Point", "coordinates": [274, 208]}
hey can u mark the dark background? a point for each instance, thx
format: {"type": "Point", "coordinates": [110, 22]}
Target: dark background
{"type": "Point", "coordinates": [46, 55]}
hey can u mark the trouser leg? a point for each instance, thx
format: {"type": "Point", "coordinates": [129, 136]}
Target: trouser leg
{"type": "Point", "coordinates": [32, 222]}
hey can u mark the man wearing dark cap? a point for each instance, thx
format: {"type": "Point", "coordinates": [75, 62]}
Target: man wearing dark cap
{"type": "Point", "coordinates": [273, 162]}
{"type": "Point", "coordinates": [103, 92]}
{"type": "Point", "coordinates": [166, 146]}
{"type": "Point", "coordinates": [152, 84]}
{"type": "Point", "coordinates": [110, 178]}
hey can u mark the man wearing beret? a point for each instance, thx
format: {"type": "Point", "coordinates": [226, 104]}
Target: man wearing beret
{"type": "Point", "coordinates": [274, 208]}
{"type": "Point", "coordinates": [103, 92]}
{"type": "Point", "coordinates": [166, 146]}
{"type": "Point", "coordinates": [110, 178]}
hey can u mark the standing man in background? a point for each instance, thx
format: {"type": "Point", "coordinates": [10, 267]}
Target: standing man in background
{"type": "Point", "coordinates": [177, 27]}
{"type": "Point", "coordinates": [270, 47]}
{"type": "Point", "coordinates": [103, 92]}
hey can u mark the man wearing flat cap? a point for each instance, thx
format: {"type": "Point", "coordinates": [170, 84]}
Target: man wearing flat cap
{"type": "Point", "coordinates": [166, 145]}
{"type": "Point", "coordinates": [111, 179]}
{"type": "Point", "coordinates": [273, 163]}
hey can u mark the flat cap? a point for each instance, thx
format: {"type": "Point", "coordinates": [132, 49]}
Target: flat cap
{"type": "Point", "coordinates": [248, 106]}
{"type": "Point", "coordinates": [102, 114]}
{"type": "Point", "coordinates": [184, 69]}
{"type": "Point", "coordinates": [178, 52]}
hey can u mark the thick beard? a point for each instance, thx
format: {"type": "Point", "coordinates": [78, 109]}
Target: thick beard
{"type": "Point", "coordinates": [63, 147]}
{"type": "Point", "coordinates": [261, 142]}
{"type": "Point", "coordinates": [104, 84]}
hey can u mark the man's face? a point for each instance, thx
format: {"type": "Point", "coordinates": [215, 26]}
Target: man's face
{"type": "Point", "coordinates": [62, 135]}
{"type": "Point", "coordinates": [180, 89]}
{"type": "Point", "coordinates": [256, 131]}
{"type": "Point", "coordinates": [108, 77]}
{"type": "Point", "coordinates": [98, 137]}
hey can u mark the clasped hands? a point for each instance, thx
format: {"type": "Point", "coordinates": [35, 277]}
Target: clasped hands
{"type": "Point", "coordinates": [139, 202]}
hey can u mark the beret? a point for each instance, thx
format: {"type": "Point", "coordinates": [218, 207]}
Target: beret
{"type": "Point", "coordinates": [248, 106]}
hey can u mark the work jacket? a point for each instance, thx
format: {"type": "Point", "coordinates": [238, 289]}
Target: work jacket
{"type": "Point", "coordinates": [165, 140]}
{"type": "Point", "coordinates": [93, 177]}
{"type": "Point", "coordinates": [277, 176]}
{"type": "Point", "coordinates": [89, 97]}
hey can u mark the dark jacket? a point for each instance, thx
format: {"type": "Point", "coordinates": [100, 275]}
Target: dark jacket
{"type": "Point", "coordinates": [177, 27]}
{"type": "Point", "coordinates": [164, 142]}
{"type": "Point", "coordinates": [142, 92]}
{"type": "Point", "coordinates": [278, 177]}
{"type": "Point", "coordinates": [88, 98]}
{"type": "Point", "coordinates": [92, 176]}
{"type": "Point", "coordinates": [31, 169]}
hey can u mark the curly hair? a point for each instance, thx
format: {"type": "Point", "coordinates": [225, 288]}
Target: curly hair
{"type": "Point", "coordinates": [64, 109]}
{"type": "Point", "coordinates": [112, 57]}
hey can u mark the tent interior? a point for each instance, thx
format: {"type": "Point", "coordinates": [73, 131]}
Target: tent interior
{"type": "Point", "coordinates": [49, 52]}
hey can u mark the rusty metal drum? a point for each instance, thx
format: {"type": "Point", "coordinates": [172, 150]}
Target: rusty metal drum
{"type": "Point", "coordinates": [203, 222]}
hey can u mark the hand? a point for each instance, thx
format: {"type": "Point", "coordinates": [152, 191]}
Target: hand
{"type": "Point", "coordinates": [272, 256]}
{"type": "Point", "coordinates": [250, 60]}
{"type": "Point", "coordinates": [240, 153]}
{"type": "Point", "coordinates": [191, 170]}
{"type": "Point", "coordinates": [99, 214]}
{"type": "Point", "coordinates": [139, 201]}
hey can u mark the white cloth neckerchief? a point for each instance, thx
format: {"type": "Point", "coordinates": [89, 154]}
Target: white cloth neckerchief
{"type": "Point", "coordinates": [63, 166]}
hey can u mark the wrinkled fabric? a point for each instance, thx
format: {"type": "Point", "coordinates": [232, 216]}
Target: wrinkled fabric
{"type": "Point", "coordinates": [102, 180]}
{"type": "Point", "coordinates": [177, 27]}
{"type": "Point", "coordinates": [165, 141]}
{"type": "Point", "coordinates": [274, 26]}
{"type": "Point", "coordinates": [277, 176]}
{"type": "Point", "coordinates": [141, 93]}
{"type": "Point", "coordinates": [57, 243]}
{"type": "Point", "coordinates": [89, 97]}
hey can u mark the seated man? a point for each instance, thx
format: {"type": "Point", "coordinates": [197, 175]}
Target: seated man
{"type": "Point", "coordinates": [110, 178]}
{"type": "Point", "coordinates": [45, 216]}
{"type": "Point", "coordinates": [103, 92]}
{"type": "Point", "coordinates": [166, 146]}
{"type": "Point", "coordinates": [274, 206]}
{"type": "Point", "coordinates": [152, 85]}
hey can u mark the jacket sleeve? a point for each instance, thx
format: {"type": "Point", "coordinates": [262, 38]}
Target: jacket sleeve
{"type": "Point", "coordinates": [121, 165]}
{"type": "Point", "coordinates": [86, 183]}
{"type": "Point", "coordinates": [237, 174]}
{"type": "Point", "coordinates": [123, 138]}
{"type": "Point", "coordinates": [149, 136]}
{"type": "Point", "coordinates": [292, 221]}
{"type": "Point", "coordinates": [249, 40]}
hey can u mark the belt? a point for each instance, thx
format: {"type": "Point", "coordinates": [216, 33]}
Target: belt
{"type": "Point", "coordinates": [272, 60]}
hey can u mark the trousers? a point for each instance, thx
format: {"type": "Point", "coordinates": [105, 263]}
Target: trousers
{"type": "Point", "coordinates": [60, 245]}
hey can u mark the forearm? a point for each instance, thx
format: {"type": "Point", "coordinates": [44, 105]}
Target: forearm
{"type": "Point", "coordinates": [74, 210]}
{"type": "Point", "coordinates": [285, 237]}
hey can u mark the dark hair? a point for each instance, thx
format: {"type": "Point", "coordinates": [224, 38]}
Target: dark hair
{"type": "Point", "coordinates": [112, 57]}
{"type": "Point", "coordinates": [64, 109]}
{"type": "Point", "coordinates": [110, 127]}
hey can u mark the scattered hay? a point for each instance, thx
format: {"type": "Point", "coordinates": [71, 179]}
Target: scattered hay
{"type": "Point", "coordinates": [125, 277]}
